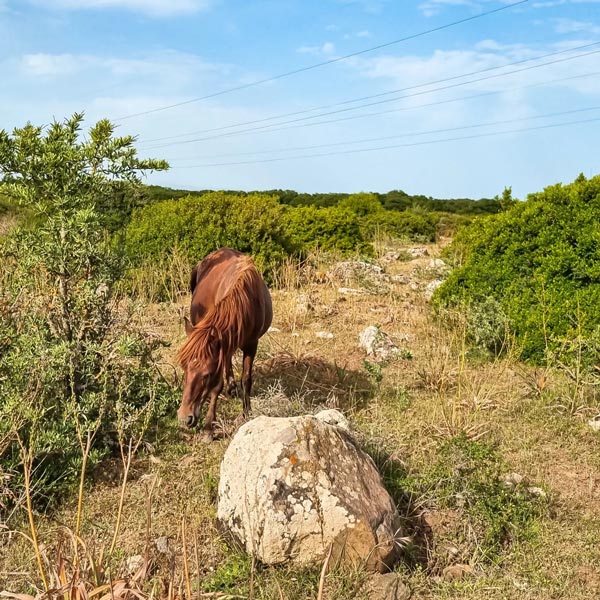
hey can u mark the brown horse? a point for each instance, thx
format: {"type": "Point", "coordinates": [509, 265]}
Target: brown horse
{"type": "Point", "coordinates": [231, 308]}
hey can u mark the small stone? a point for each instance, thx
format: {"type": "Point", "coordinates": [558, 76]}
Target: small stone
{"type": "Point", "coordinates": [456, 572]}
{"type": "Point", "coordinates": [102, 290]}
{"type": "Point", "coordinates": [324, 335]}
{"type": "Point", "coordinates": [390, 256]}
{"type": "Point", "coordinates": [388, 586]}
{"type": "Point", "coordinates": [537, 491]}
{"type": "Point", "coordinates": [274, 330]}
{"type": "Point", "coordinates": [595, 423]}
{"type": "Point", "coordinates": [431, 287]}
{"type": "Point", "coordinates": [347, 269]}
{"type": "Point", "coordinates": [417, 252]}
{"type": "Point", "coordinates": [436, 263]}
{"type": "Point", "coordinates": [512, 479]}
{"type": "Point", "coordinates": [134, 564]}
{"type": "Point", "coordinates": [376, 343]}
{"type": "Point", "coordinates": [351, 291]}
{"type": "Point", "coordinates": [162, 544]}
{"type": "Point", "coordinates": [402, 279]}
{"type": "Point", "coordinates": [304, 304]}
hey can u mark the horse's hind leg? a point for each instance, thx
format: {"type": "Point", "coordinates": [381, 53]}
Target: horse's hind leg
{"type": "Point", "coordinates": [249, 354]}
{"type": "Point", "coordinates": [232, 389]}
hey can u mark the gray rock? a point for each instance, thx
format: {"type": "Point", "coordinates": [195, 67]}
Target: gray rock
{"type": "Point", "coordinates": [324, 335]}
{"type": "Point", "coordinates": [292, 488]}
{"type": "Point", "coordinates": [351, 291]}
{"type": "Point", "coordinates": [390, 256]}
{"type": "Point", "coordinates": [437, 263]}
{"type": "Point", "coordinates": [162, 544]}
{"type": "Point", "coordinates": [388, 586]}
{"type": "Point", "coordinates": [417, 252]}
{"type": "Point", "coordinates": [431, 287]}
{"type": "Point", "coordinates": [348, 269]}
{"type": "Point", "coordinates": [376, 343]}
{"type": "Point", "coordinates": [304, 304]}
{"type": "Point", "coordinates": [456, 572]}
{"type": "Point", "coordinates": [595, 423]}
{"type": "Point", "coordinates": [402, 279]}
{"type": "Point", "coordinates": [134, 564]}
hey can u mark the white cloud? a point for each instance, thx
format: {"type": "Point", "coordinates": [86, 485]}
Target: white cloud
{"type": "Point", "coordinates": [91, 75]}
{"type": "Point", "coordinates": [513, 95]}
{"type": "Point", "coordinates": [370, 6]}
{"type": "Point", "coordinates": [431, 8]}
{"type": "Point", "coordinates": [154, 8]}
{"type": "Point", "coordinates": [326, 49]}
{"type": "Point", "coordinates": [551, 3]}
{"type": "Point", "coordinates": [573, 26]}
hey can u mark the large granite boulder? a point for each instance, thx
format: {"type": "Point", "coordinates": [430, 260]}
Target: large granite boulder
{"type": "Point", "coordinates": [292, 488]}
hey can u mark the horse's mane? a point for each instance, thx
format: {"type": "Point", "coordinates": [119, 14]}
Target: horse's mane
{"type": "Point", "coordinates": [227, 321]}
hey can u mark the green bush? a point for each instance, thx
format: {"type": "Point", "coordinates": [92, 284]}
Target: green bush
{"type": "Point", "coordinates": [362, 204]}
{"type": "Point", "coordinates": [197, 225]}
{"type": "Point", "coordinates": [331, 229]}
{"type": "Point", "coordinates": [401, 225]}
{"type": "Point", "coordinates": [73, 361]}
{"type": "Point", "coordinates": [540, 260]}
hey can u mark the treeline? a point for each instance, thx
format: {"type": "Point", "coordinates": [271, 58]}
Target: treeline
{"type": "Point", "coordinates": [119, 207]}
{"type": "Point", "coordinates": [392, 200]}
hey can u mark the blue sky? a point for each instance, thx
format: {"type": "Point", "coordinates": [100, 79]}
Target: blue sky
{"type": "Point", "coordinates": [115, 58]}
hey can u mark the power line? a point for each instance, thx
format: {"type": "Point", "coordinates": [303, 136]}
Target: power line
{"type": "Point", "coordinates": [276, 126]}
{"type": "Point", "coordinates": [440, 102]}
{"type": "Point", "coordinates": [393, 146]}
{"type": "Point", "coordinates": [323, 63]}
{"type": "Point", "coordinates": [401, 135]}
{"type": "Point", "coordinates": [362, 98]}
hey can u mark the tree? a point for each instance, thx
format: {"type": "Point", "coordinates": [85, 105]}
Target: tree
{"type": "Point", "coordinates": [70, 356]}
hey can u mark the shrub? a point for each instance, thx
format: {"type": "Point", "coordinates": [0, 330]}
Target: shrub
{"type": "Point", "coordinates": [362, 204]}
{"type": "Point", "coordinates": [72, 361]}
{"type": "Point", "coordinates": [331, 229]}
{"type": "Point", "coordinates": [198, 225]}
{"type": "Point", "coordinates": [401, 225]}
{"type": "Point", "coordinates": [539, 260]}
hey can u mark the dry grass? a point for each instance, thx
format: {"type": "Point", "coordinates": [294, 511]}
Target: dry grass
{"type": "Point", "coordinates": [403, 410]}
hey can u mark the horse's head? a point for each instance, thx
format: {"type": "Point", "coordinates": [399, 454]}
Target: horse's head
{"type": "Point", "coordinates": [203, 379]}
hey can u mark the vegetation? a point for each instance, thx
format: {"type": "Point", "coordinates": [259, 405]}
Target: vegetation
{"type": "Point", "coordinates": [333, 229]}
{"type": "Point", "coordinates": [415, 226]}
{"type": "Point", "coordinates": [197, 225]}
{"type": "Point", "coordinates": [539, 261]}
{"type": "Point", "coordinates": [452, 429]}
{"type": "Point", "coordinates": [74, 367]}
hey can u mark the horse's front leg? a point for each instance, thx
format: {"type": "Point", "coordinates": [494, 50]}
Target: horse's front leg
{"type": "Point", "coordinates": [249, 354]}
{"type": "Point", "coordinates": [232, 389]}
{"type": "Point", "coordinates": [207, 434]}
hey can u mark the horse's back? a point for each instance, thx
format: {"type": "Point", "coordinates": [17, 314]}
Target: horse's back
{"type": "Point", "coordinates": [214, 276]}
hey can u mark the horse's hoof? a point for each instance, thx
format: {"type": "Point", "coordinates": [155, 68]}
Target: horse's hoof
{"type": "Point", "coordinates": [206, 436]}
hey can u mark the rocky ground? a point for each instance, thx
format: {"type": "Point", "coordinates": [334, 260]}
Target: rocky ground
{"type": "Point", "coordinates": [496, 480]}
